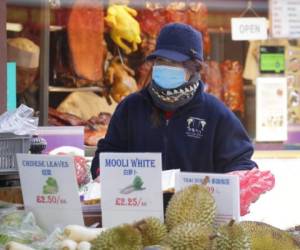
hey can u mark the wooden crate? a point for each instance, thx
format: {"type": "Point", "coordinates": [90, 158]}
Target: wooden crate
{"type": "Point", "coordinates": [11, 194]}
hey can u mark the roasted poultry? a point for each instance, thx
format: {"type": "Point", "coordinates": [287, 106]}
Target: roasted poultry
{"type": "Point", "coordinates": [232, 74]}
{"type": "Point", "coordinates": [197, 15]}
{"type": "Point", "coordinates": [152, 19]}
{"type": "Point", "coordinates": [123, 27]}
{"type": "Point", "coordinates": [176, 12]}
{"type": "Point", "coordinates": [85, 34]}
{"type": "Point", "coordinates": [212, 77]}
{"type": "Point", "coordinates": [119, 78]}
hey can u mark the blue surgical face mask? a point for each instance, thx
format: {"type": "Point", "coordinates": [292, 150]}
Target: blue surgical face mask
{"type": "Point", "coordinates": [168, 77]}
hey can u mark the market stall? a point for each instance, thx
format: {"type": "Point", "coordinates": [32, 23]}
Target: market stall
{"type": "Point", "coordinates": [73, 62]}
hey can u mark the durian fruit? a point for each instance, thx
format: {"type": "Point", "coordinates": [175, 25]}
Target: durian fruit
{"type": "Point", "coordinates": [191, 204]}
{"type": "Point", "coordinates": [190, 236]}
{"type": "Point", "coordinates": [152, 230]}
{"type": "Point", "coordinates": [157, 247]}
{"type": "Point", "coordinates": [123, 237]}
{"type": "Point", "coordinates": [231, 236]}
{"type": "Point", "coordinates": [267, 237]}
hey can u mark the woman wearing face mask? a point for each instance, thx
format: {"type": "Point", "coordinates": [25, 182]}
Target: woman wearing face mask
{"type": "Point", "coordinates": [193, 130]}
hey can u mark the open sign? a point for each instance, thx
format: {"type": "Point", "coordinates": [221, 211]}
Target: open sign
{"type": "Point", "coordinates": [249, 28]}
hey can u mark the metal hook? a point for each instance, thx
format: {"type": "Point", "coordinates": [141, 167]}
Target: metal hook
{"type": "Point", "coordinates": [249, 8]}
{"type": "Point", "coordinates": [120, 55]}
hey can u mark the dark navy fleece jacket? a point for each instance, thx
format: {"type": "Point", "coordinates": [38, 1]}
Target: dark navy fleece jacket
{"type": "Point", "coordinates": [202, 136]}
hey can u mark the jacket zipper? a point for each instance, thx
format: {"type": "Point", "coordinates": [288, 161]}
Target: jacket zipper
{"type": "Point", "coordinates": [166, 142]}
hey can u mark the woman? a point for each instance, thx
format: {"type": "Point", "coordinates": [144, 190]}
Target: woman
{"type": "Point", "coordinates": [193, 130]}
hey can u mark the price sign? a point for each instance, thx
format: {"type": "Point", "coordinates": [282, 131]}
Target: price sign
{"type": "Point", "coordinates": [224, 188]}
{"type": "Point", "coordinates": [131, 187]}
{"type": "Point", "coordinates": [50, 189]}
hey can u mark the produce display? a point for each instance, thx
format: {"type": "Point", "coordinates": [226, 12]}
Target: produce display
{"type": "Point", "coordinates": [232, 236]}
{"type": "Point", "coordinates": [189, 232]}
{"type": "Point", "coordinates": [267, 237]}
{"type": "Point", "coordinates": [253, 183]}
{"type": "Point", "coordinates": [19, 226]}
{"type": "Point", "coordinates": [194, 204]}
{"type": "Point", "coordinates": [81, 170]}
{"type": "Point", "coordinates": [189, 235]}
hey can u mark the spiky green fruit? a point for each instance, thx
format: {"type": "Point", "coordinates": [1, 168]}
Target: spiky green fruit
{"type": "Point", "coordinates": [152, 230]}
{"type": "Point", "coordinates": [189, 236]}
{"type": "Point", "coordinates": [157, 247]}
{"type": "Point", "coordinates": [191, 204]}
{"type": "Point", "coordinates": [267, 237]}
{"type": "Point", "coordinates": [231, 236]}
{"type": "Point", "coordinates": [124, 237]}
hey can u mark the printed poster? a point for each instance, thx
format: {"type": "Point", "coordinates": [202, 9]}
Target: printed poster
{"type": "Point", "coordinates": [271, 109]}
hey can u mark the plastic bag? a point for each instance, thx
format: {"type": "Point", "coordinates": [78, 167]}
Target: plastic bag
{"type": "Point", "coordinates": [20, 121]}
{"type": "Point", "coordinates": [19, 226]}
{"type": "Point", "coordinates": [6, 207]}
{"type": "Point", "coordinates": [52, 242]}
{"type": "Point", "coordinates": [253, 183]}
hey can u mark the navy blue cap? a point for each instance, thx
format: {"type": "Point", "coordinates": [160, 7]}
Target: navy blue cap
{"type": "Point", "coordinates": [178, 42]}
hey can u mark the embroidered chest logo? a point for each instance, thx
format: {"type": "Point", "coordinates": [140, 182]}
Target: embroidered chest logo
{"type": "Point", "coordinates": [195, 127]}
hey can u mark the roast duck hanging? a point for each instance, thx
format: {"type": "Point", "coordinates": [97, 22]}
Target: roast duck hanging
{"type": "Point", "coordinates": [154, 16]}
{"type": "Point", "coordinates": [232, 74]}
{"type": "Point", "coordinates": [120, 79]}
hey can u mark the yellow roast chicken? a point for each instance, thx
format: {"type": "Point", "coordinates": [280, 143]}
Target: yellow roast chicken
{"type": "Point", "coordinates": [123, 27]}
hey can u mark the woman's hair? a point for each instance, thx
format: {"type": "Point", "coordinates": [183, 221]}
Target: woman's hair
{"type": "Point", "coordinates": [193, 65]}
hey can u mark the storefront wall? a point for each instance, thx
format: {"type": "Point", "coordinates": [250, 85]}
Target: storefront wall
{"type": "Point", "coordinates": [45, 23]}
{"type": "Point", "coordinates": [2, 56]}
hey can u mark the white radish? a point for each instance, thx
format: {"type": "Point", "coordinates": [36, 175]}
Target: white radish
{"type": "Point", "coordinates": [68, 244]}
{"type": "Point", "coordinates": [84, 245]}
{"type": "Point", "coordinates": [12, 245]}
{"type": "Point", "coordinates": [80, 233]}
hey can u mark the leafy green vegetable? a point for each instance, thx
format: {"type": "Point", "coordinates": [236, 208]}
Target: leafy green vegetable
{"type": "Point", "coordinates": [12, 219]}
{"type": "Point", "coordinates": [50, 189]}
{"type": "Point", "coordinates": [137, 183]}
{"type": "Point", "coordinates": [52, 182]}
{"type": "Point", "coordinates": [51, 186]}
{"type": "Point", "coordinates": [4, 239]}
